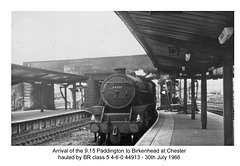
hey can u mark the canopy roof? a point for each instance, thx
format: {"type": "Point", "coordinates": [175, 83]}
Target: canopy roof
{"type": "Point", "coordinates": [169, 35]}
{"type": "Point", "coordinates": [31, 74]}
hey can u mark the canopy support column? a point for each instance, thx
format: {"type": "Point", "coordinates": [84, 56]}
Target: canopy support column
{"type": "Point", "coordinates": [185, 96]}
{"type": "Point", "coordinates": [41, 97]}
{"type": "Point", "coordinates": [192, 98]}
{"type": "Point", "coordinates": [65, 92]}
{"type": "Point", "coordinates": [228, 101]}
{"type": "Point", "coordinates": [204, 99]}
{"type": "Point", "coordinates": [74, 97]}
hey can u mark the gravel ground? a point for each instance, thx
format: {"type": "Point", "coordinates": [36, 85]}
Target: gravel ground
{"type": "Point", "coordinates": [82, 137]}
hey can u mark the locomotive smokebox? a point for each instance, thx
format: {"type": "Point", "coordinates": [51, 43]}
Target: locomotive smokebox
{"type": "Point", "coordinates": [120, 70]}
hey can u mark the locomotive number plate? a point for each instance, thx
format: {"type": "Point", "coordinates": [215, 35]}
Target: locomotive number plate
{"type": "Point", "coordinates": [117, 87]}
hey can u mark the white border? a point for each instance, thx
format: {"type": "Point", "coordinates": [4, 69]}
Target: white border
{"type": "Point", "coordinates": [42, 155]}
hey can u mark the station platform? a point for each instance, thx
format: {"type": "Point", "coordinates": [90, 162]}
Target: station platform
{"type": "Point", "coordinates": [24, 122]}
{"type": "Point", "coordinates": [22, 116]}
{"type": "Point", "coordinates": [174, 129]}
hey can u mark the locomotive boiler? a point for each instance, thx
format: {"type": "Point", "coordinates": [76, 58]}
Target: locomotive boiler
{"type": "Point", "coordinates": [127, 107]}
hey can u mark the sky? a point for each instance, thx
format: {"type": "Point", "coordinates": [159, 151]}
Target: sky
{"type": "Point", "coordinates": [60, 35]}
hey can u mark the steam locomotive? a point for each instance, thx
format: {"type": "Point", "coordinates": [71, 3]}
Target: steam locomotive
{"type": "Point", "coordinates": [127, 109]}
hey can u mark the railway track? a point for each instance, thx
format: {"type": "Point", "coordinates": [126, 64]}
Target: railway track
{"type": "Point", "coordinates": [215, 108]}
{"type": "Point", "coordinates": [218, 112]}
{"type": "Point", "coordinates": [37, 137]}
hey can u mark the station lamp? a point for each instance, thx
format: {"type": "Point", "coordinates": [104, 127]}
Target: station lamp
{"type": "Point", "coordinates": [183, 68]}
{"type": "Point", "coordinates": [38, 83]}
{"type": "Point", "coordinates": [225, 35]}
{"type": "Point", "coordinates": [187, 57]}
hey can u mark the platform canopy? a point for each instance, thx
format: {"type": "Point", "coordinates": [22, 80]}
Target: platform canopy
{"type": "Point", "coordinates": [183, 40]}
{"type": "Point", "coordinates": [36, 75]}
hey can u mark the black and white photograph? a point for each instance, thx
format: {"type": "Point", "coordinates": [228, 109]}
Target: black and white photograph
{"type": "Point", "coordinates": [121, 86]}
{"type": "Point", "coordinates": [179, 87]}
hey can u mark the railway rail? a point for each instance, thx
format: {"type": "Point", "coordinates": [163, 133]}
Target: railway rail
{"type": "Point", "coordinates": [37, 137]}
{"type": "Point", "coordinates": [218, 112]}
{"type": "Point", "coordinates": [216, 108]}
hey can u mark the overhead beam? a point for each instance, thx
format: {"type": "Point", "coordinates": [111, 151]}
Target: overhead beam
{"type": "Point", "coordinates": [35, 77]}
{"type": "Point", "coordinates": [170, 59]}
{"type": "Point", "coordinates": [168, 69]}
{"type": "Point", "coordinates": [16, 80]}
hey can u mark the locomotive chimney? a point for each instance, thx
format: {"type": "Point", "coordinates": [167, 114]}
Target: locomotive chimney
{"type": "Point", "coordinates": [121, 70]}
